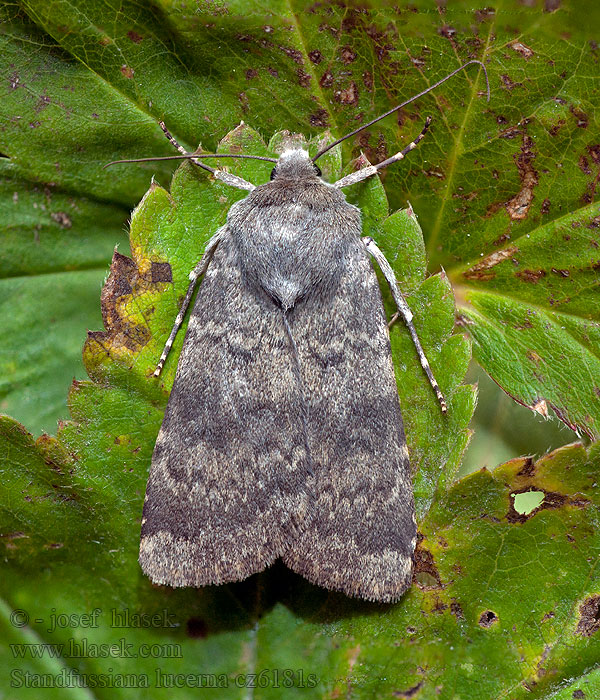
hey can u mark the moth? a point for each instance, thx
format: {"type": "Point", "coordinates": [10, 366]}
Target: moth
{"type": "Point", "coordinates": [283, 435]}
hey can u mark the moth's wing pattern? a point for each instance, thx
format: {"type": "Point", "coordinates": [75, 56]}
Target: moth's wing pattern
{"type": "Point", "coordinates": [362, 537]}
{"type": "Point", "coordinates": [227, 486]}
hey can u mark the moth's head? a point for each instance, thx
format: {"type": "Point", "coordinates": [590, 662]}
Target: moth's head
{"type": "Point", "coordinates": [295, 164]}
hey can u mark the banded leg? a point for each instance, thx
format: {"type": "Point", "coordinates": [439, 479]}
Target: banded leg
{"type": "Point", "coordinates": [223, 175]}
{"type": "Point", "coordinates": [195, 274]}
{"type": "Point", "coordinates": [371, 170]}
{"type": "Point", "coordinates": [406, 313]}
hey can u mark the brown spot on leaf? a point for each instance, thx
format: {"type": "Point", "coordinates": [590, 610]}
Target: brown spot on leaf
{"type": "Point", "coordinates": [334, 31]}
{"type": "Point", "coordinates": [435, 172]}
{"type": "Point", "coordinates": [61, 218]}
{"type": "Point", "coordinates": [347, 54]}
{"type": "Point", "coordinates": [439, 606]}
{"type": "Point", "coordinates": [594, 152]}
{"type": "Point", "coordinates": [551, 5]}
{"type": "Point", "coordinates": [528, 468]}
{"type": "Point", "coordinates": [347, 96]}
{"type": "Point", "coordinates": [105, 40]}
{"type": "Point", "coordinates": [303, 78]}
{"type": "Point", "coordinates": [14, 81]}
{"type": "Point", "coordinates": [482, 270]}
{"type": "Point", "coordinates": [524, 325]}
{"type": "Point", "coordinates": [510, 133]}
{"type": "Point", "coordinates": [134, 36]}
{"type": "Point", "coordinates": [326, 79]}
{"type": "Point", "coordinates": [545, 208]}
{"type": "Point", "coordinates": [594, 223]}
{"type": "Point", "coordinates": [251, 73]}
{"type": "Point", "coordinates": [485, 14]}
{"type": "Point", "coordinates": [42, 103]}
{"type": "Point", "coordinates": [588, 196]}
{"type": "Point", "coordinates": [315, 56]}
{"type": "Point", "coordinates": [533, 276]}
{"type": "Point", "coordinates": [552, 500]}
{"type": "Point", "coordinates": [425, 573]}
{"type": "Point", "coordinates": [160, 272]}
{"type": "Point", "coordinates": [410, 693]}
{"type": "Point", "coordinates": [9, 537]}
{"type": "Point", "coordinates": [368, 80]}
{"type": "Point", "coordinates": [446, 31]}
{"type": "Point", "coordinates": [522, 49]}
{"type": "Point", "coordinates": [508, 83]}
{"type": "Point", "coordinates": [124, 282]}
{"type": "Point", "coordinates": [578, 694]}
{"type": "Point", "coordinates": [518, 206]}
{"type": "Point", "coordinates": [589, 617]}
{"type": "Point", "coordinates": [487, 619]}
{"type": "Point", "coordinates": [244, 102]}
{"type": "Point", "coordinates": [319, 118]}
{"type": "Point", "coordinates": [456, 610]}
{"type": "Point", "coordinates": [374, 154]}
{"type": "Point", "coordinates": [294, 54]}
{"type": "Point", "coordinates": [582, 118]}
{"type": "Point", "coordinates": [127, 71]}
{"type": "Point", "coordinates": [501, 240]}
{"type": "Point", "coordinates": [547, 616]}
{"type": "Point", "coordinates": [560, 272]}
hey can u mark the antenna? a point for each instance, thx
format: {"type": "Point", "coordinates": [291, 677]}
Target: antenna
{"type": "Point", "coordinates": [190, 156]}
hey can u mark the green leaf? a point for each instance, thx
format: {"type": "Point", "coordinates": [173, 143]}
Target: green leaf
{"type": "Point", "coordinates": [502, 428]}
{"type": "Point", "coordinates": [86, 83]}
{"type": "Point", "coordinates": [515, 593]}
{"type": "Point", "coordinates": [506, 195]}
{"type": "Point", "coordinates": [536, 326]}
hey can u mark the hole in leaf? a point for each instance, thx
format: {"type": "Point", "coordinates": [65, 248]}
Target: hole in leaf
{"type": "Point", "coordinates": [426, 580]}
{"type": "Point", "coordinates": [487, 619]}
{"type": "Point", "coordinates": [524, 503]}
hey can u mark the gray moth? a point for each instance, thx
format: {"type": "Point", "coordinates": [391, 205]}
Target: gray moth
{"type": "Point", "coordinates": [283, 435]}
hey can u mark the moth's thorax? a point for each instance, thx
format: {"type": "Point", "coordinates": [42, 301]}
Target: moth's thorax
{"type": "Point", "coordinates": [292, 234]}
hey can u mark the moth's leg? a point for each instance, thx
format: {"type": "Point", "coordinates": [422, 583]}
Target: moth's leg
{"type": "Point", "coordinates": [406, 313]}
{"type": "Point", "coordinates": [195, 274]}
{"type": "Point", "coordinates": [370, 170]}
{"type": "Point", "coordinates": [223, 175]}
{"type": "Point", "coordinates": [174, 141]}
